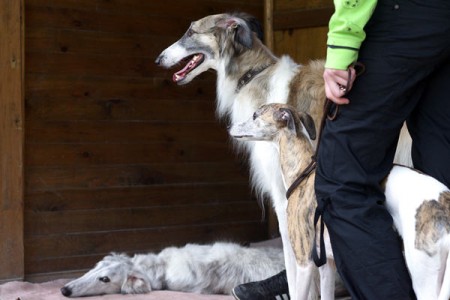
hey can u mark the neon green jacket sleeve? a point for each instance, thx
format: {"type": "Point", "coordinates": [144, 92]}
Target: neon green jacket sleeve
{"type": "Point", "coordinates": [346, 31]}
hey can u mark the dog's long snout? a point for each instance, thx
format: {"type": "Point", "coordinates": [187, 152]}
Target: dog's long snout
{"type": "Point", "coordinates": [66, 291]}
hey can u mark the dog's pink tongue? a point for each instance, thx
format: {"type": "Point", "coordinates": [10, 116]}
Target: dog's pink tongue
{"type": "Point", "coordinates": [180, 75]}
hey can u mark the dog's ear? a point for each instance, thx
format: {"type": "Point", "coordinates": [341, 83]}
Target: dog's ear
{"type": "Point", "coordinates": [240, 29]}
{"type": "Point", "coordinates": [136, 283]}
{"type": "Point", "coordinates": [243, 35]}
{"type": "Point", "coordinates": [285, 115]}
{"type": "Point", "coordinates": [253, 23]}
{"type": "Point", "coordinates": [309, 125]}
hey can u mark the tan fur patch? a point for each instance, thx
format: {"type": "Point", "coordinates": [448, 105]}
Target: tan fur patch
{"type": "Point", "coordinates": [307, 91]}
{"type": "Point", "coordinates": [432, 222]}
{"type": "Point", "coordinates": [300, 213]}
{"type": "Point", "coordinates": [444, 200]}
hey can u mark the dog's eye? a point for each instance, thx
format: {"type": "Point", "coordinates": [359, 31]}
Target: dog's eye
{"type": "Point", "coordinates": [190, 32]}
{"type": "Point", "coordinates": [254, 116]}
{"type": "Point", "coordinates": [104, 279]}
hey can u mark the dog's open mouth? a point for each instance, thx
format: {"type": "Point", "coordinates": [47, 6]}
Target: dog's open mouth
{"type": "Point", "coordinates": [193, 63]}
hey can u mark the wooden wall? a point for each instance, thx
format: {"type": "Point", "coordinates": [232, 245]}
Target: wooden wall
{"type": "Point", "coordinates": [11, 140]}
{"type": "Point", "coordinates": [300, 28]}
{"type": "Point", "coordinates": [117, 157]}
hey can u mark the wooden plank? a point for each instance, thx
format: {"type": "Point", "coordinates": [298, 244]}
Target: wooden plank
{"type": "Point", "coordinates": [120, 109]}
{"type": "Point", "coordinates": [142, 196]}
{"type": "Point", "coordinates": [11, 145]}
{"type": "Point", "coordinates": [152, 7]}
{"type": "Point", "coordinates": [134, 241]}
{"type": "Point", "coordinates": [52, 40]}
{"type": "Point", "coordinates": [56, 178]}
{"type": "Point", "coordinates": [92, 20]}
{"type": "Point", "coordinates": [123, 132]}
{"type": "Point", "coordinates": [127, 154]}
{"type": "Point", "coordinates": [304, 18]}
{"type": "Point", "coordinates": [138, 240]}
{"type": "Point", "coordinates": [285, 5]}
{"type": "Point", "coordinates": [142, 22]}
{"type": "Point", "coordinates": [95, 65]}
{"type": "Point", "coordinates": [51, 86]}
{"type": "Point", "coordinates": [302, 45]}
{"type": "Point", "coordinates": [184, 9]}
{"type": "Point", "coordinates": [105, 220]}
{"type": "Point", "coordinates": [268, 23]}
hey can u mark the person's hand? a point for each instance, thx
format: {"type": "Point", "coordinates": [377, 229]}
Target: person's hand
{"type": "Point", "coordinates": [338, 83]}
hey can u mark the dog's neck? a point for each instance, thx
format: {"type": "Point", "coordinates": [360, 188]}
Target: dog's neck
{"type": "Point", "coordinates": [295, 155]}
{"type": "Point", "coordinates": [230, 69]}
{"type": "Point", "coordinates": [257, 58]}
{"type": "Point", "coordinates": [249, 75]}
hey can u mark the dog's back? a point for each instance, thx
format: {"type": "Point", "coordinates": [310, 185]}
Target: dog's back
{"type": "Point", "coordinates": [217, 268]}
{"type": "Point", "coordinates": [420, 207]}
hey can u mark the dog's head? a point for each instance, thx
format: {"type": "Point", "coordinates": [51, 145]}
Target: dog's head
{"type": "Point", "coordinates": [271, 119]}
{"type": "Point", "coordinates": [207, 41]}
{"type": "Point", "coordinates": [115, 274]}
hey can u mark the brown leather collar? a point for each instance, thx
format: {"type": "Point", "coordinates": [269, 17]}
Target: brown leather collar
{"type": "Point", "coordinates": [248, 76]}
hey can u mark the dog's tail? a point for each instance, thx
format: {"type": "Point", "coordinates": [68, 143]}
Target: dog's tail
{"type": "Point", "coordinates": [444, 293]}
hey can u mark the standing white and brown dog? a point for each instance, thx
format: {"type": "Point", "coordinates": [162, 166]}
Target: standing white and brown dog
{"type": "Point", "coordinates": [419, 205]}
{"type": "Point", "coordinates": [249, 75]}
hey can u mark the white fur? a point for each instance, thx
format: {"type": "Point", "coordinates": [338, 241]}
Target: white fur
{"type": "Point", "coordinates": [206, 269]}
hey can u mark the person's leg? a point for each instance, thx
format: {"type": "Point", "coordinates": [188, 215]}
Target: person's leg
{"type": "Point", "coordinates": [429, 126]}
{"type": "Point", "coordinates": [357, 149]}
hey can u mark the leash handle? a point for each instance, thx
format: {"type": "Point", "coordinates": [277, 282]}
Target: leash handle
{"type": "Point", "coordinates": [332, 109]}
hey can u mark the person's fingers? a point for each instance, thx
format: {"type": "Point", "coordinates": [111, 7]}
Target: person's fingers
{"type": "Point", "coordinates": [337, 84]}
{"type": "Point", "coordinates": [333, 93]}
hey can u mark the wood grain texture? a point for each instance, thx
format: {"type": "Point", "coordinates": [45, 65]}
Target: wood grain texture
{"type": "Point", "coordinates": [302, 18]}
{"type": "Point", "coordinates": [12, 143]}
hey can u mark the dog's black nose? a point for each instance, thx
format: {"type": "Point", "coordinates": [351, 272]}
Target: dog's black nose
{"type": "Point", "coordinates": [158, 60]}
{"type": "Point", "coordinates": [66, 291]}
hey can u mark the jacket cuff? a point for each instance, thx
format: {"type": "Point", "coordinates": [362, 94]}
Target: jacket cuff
{"type": "Point", "coordinates": [340, 58]}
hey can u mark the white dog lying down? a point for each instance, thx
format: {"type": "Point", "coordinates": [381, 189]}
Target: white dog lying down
{"type": "Point", "coordinates": [419, 205]}
{"type": "Point", "coordinates": [206, 269]}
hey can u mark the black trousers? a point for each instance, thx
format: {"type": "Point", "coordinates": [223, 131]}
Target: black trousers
{"type": "Point", "coordinates": [407, 59]}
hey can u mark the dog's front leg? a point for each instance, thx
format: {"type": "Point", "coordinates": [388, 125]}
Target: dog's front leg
{"type": "Point", "coordinates": [328, 271]}
{"type": "Point", "coordinates": [288, 251]}
{"type": "Point", "coordinates": [305, 285]}
{"type": "Point", "coordinates": [327, 280]}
